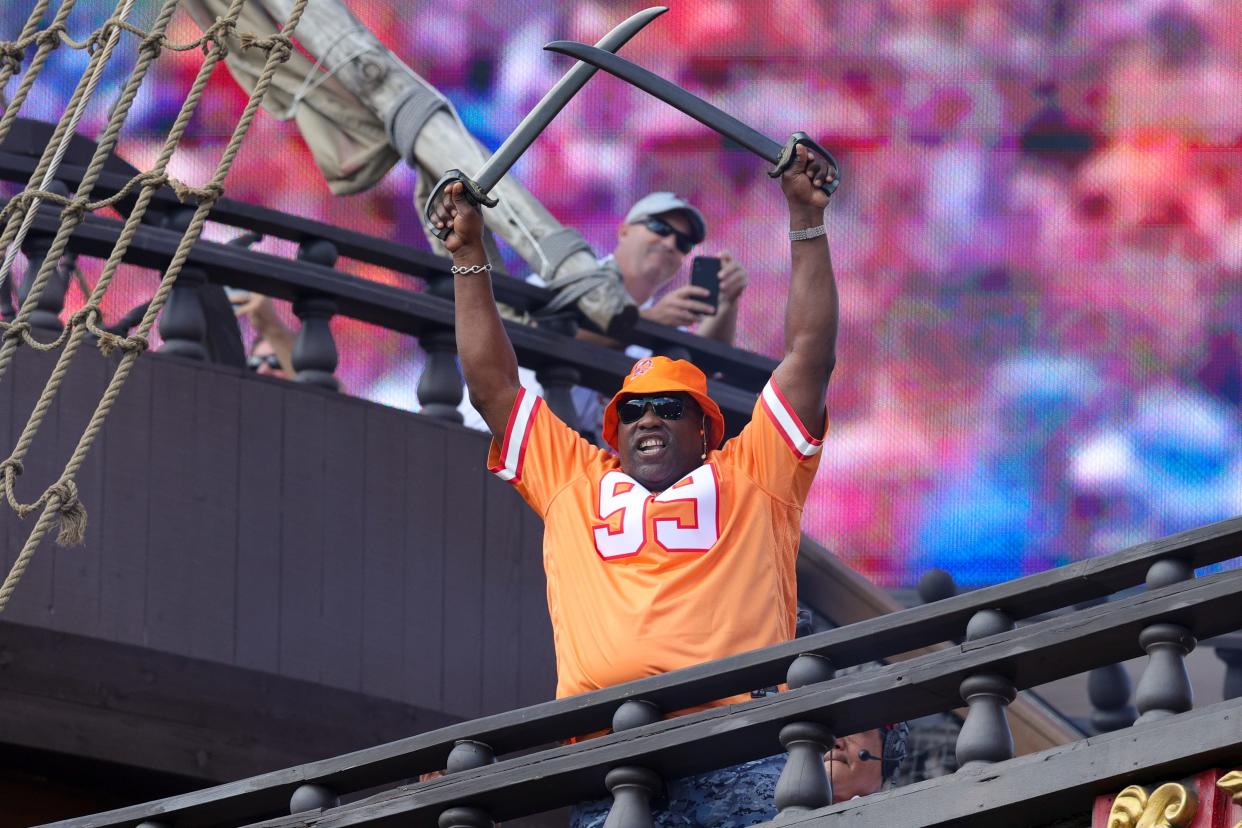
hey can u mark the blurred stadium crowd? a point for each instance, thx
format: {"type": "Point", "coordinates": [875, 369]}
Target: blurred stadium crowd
{"type": "Point", "coordinates": [1039, 237]}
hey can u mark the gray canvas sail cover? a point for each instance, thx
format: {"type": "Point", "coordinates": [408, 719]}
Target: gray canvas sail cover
{"type": "Point", "coordinates": [360, 109]}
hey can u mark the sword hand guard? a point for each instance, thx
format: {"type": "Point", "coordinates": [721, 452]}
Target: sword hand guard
{"type": "Point", "coordinates": [788, 154]}
{"type": "Point", "coordinates": [474, 194]}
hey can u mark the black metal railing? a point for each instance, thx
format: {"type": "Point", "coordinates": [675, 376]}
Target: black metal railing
{"type": "Point", "coordinates": [418, 314]}
{"type": "Point", "coordinates": [997, 658]}
{"type": "Point", "coordinates": [312, 283]}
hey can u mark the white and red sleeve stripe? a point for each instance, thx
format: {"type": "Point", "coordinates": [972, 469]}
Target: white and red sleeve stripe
{"type": "Point", "coordinates": [787, 423]}
{"type": "Point", "coordinates": [517, 432]}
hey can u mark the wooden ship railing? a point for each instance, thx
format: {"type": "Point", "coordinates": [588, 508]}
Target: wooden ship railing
{"type": "Point", "coordinates": [511, 765]}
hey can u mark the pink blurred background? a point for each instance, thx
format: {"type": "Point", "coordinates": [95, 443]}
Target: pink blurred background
{"type": "Point", "coordinates": [1038, 241]}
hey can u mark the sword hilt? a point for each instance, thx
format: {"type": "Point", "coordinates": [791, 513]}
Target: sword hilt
{"type": "Point", "coordinates": [474, 194]}
{"type": "Point", "coordinates": [788, 154]}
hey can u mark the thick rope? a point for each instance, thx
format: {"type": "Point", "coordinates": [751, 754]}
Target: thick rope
{"type": "Point", "coordinates": [11, 54]}
{"type": "Point", "coordinates": [152, 43]}
{"type": "Point", "coordinates": [14, 220]}
{"type": "Point", "coordinates": [55, 35]}
{"type": "Point", "coordinates": [79, 206]}
{"type": "Point", "coordinates": [20, 324]}
{"type": "Point", "coordinates": [13, 51]}
{"type": "Point", "coordinates": [61, 497]}
{"type": "Point", "coordinates": [108, 35]}
{"type": "Point", "coordinates": [75, 208]}
{"type": "Point", "coordinates": [41, 177]}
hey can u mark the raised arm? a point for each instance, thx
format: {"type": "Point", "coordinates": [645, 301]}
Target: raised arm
{"type": "Point", "coordinates": [811, 308]}
{"type": "Point", "coordinates": [486, 354]}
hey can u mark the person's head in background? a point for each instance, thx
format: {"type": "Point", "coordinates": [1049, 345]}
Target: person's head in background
{"type": "Point", "coordinates": [652, 242]}
{"type": "Point", "coordinates": [861, 763]}
{"type": "Point", "coordinates": [263, 359]}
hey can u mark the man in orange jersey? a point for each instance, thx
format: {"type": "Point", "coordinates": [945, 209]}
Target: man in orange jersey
{"type": "Point", "coordinates": [676, 550]}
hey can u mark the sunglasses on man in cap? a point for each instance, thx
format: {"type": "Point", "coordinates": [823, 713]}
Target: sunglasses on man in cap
{"type": "Point", "coordinates": [663, 229]}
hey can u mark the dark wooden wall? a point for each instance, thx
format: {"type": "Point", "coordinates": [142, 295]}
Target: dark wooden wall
{"type": "Point", "coordinates": [270, 526]}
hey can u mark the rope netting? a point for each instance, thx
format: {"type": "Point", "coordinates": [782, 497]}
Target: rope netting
{"type": "Point", "coordinates": [60, 498]}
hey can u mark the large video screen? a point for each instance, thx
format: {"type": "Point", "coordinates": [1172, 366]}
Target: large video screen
{"type": "Point", "coordinates": [1038, 242]}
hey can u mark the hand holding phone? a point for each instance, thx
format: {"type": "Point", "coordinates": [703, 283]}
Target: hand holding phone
{"type": "Point", "coordinates": [705, 273]}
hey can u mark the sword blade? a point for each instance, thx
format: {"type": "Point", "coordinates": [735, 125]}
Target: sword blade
{"type": "Point", "coordinates": [554, 101]}
{"type": "Point", "coordinates": [673, 95]}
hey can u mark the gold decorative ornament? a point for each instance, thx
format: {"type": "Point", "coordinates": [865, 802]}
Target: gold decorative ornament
{"type": "Point", "coordinates": [1232, 783]}
{"type": "Point", "coordinates": [1169, 806]}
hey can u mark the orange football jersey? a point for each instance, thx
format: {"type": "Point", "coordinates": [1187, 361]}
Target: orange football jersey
{"type": "Point", "coordinates": [640, 584]}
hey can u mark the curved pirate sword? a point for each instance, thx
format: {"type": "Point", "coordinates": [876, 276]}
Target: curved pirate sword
{"type": "Point", "coordinates": [698, 109]}
{"type": "Point", "coordinates": [534, 123]}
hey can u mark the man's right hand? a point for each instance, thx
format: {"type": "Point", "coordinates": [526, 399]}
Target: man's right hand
{"type": "Point", "coordinates": [463, 218]}
{"type": "Point", "coordinates": [679, 307]}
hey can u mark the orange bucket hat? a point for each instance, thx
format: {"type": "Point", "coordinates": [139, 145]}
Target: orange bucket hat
{"type": "Point", "coordinates": [653, 375]}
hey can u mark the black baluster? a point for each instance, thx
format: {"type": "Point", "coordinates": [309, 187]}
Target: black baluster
{"type": "Point", "coordinates": [1164, 688]}
{"type": "Point", "coordinates": [676, 352]}
{"type": "Point", "coordinates": [46, 313]}
{"type": "Point", "coordinates": [1229, 650]}
{"type": "Point", "coordinates": [467, 754]}
{"type": "Point", "coordinates": [314, 349]}
{"type": "Point", "coordinates": [558, 380]}
{"type": "Point", "coordinates": [634, 713]}
{"type": "Point", "coordinates": [632, 787]}
{"type": "Point", "coordinates": [465, 817]}
{"type": "Point", "coordinates": [183, 325]}
{"type": "Point", "coordinates": [311, 797]}
{"type": "Point", "coordinates": [804, 784]}
{"type": "Point", "coordinates": [439, 388]}
{"type": "Point", "coordinates": [936, 585]}
{"type": "Point", "coordinates": [558, 383]}
{"type": "Point", "coordinates": [8, 307]}
{"type": "Point", "coordinates": [1108, 689]}
{"type": "Point", "coordinates": [985, 736]}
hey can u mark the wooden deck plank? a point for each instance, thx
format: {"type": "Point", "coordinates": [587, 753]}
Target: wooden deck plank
{"type": "Point", "coordinates": [257, 501]}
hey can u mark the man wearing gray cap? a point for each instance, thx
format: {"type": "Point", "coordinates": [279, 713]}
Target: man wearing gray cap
{"type": "Point", "coordinates": [652, 243]}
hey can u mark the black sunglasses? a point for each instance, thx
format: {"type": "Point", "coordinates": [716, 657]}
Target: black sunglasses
{"type": "Point", "coordinates": [258, 361]}
{"type": "Point", "coordinates": [662, 228]}
{"type": "Point", "coordinates": [666, 408]}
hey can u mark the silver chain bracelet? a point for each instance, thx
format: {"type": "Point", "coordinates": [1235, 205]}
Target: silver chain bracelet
{"type": "Point", "coordinates": [465, 271]}
{"type": "Point", "coordinates": [808, 233]}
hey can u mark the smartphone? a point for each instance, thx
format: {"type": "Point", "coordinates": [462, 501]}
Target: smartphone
{"type": "Point", "coordinates": [705, 273]}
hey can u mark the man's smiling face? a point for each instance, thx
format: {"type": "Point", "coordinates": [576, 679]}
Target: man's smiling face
{"type": "Point", "coordinates": [658, 452]}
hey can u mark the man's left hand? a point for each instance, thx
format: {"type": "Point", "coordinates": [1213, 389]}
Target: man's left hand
{"type": "Point", "coordinates": [804, 181]}
{"type": "Point", "coordinates": [680, 307]}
